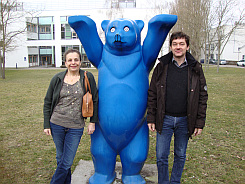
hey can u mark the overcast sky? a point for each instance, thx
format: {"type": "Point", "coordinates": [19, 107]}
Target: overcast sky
{"type": "Point", "coordinates": [74, 4]}
{"type": "Point", "coordinates": [88, 4]}
{"type": "Point", "coordinates": [63, 4]}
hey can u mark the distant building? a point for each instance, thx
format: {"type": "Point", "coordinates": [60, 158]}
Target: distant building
{"type": "Point", "coordinates": [49, 35]}
{"type": "Point", "coordinates": [234, 49]}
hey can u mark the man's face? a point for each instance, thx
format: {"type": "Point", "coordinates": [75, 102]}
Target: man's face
{"type": "Point", "coordinates": [179, 47]}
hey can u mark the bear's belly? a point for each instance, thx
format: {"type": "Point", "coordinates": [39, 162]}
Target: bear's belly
{"type": "Point", "coordinates": [121, 110]}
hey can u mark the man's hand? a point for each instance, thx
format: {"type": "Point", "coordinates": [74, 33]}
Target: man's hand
{"type": "Point", "coordinates": [197, 131]}
{"type": "Point", "coordinates": [91, 128]}
{"type": "Point", "coordinates": [151, 127]}
{"type": "Point", "coordinates": [47, 131]}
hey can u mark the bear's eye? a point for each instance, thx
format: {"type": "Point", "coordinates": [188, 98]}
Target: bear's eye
{"type": "Point", "coordinates": [126, 29]}
{"type": "Point", "coordinates": [113, 29]}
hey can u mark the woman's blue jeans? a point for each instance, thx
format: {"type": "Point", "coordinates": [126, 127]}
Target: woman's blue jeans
{"type": "Point", "coordinates": [66, 142]}
{"type": "Point", "coordinates": [179, 127]}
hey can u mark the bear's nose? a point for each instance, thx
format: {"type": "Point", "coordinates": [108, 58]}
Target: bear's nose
{"type": "Point", "coordinates": [117, 38]}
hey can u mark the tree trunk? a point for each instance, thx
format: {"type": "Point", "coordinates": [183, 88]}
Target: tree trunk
{"type": "Point", "coordinates": [3, 69]}
{"type": "Point", "coordinates": [219, 46]}
{"type": "Point", "coordinates": [205, 50]}
{"type": "Point", "coordinates": [3, 41]}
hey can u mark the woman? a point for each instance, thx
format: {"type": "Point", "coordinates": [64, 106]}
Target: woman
{"type": "Point", "coordinates": [62, 113]}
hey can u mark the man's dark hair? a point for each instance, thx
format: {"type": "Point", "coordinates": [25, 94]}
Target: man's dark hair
{"type": "Point", "coordinates": [72, 51]}
{"type": "Point", "coordinates": [177, 35]}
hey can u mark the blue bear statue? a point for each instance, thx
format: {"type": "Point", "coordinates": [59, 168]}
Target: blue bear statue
{"type": "Point", "coordinates": [123, 69]}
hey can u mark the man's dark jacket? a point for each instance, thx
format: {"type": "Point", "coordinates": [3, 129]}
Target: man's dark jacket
{"type": "Point", "coordinates": [197, 94]}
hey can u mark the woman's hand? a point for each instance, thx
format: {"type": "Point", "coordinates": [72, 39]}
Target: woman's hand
{"type": "Point", "coordinates": [91, 128]}
{"type": "Point", "coordinates": [47, 131]}
{"type": "Point", "coordinates": [151, 127]}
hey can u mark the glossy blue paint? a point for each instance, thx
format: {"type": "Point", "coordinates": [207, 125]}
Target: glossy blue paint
{"type": "Point", "coordinates": [123, 65]}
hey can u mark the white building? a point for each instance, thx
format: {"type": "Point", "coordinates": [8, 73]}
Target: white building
{"type": "Point", "coordinates": [49, 35]}
{"type": "Point", "coordinates": [234, 50]}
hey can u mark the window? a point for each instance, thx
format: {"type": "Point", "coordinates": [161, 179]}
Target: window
{"type": "Point", "coordinates": [123, 4]}
{"type": "Point", "coordinates": [114, 4]}
{"type": "Point", "coordinates": [31, 27]}
{"type": "Point", "coordinates": [63, 31]}
{"type": "Point", "coordinates": [45, 55]}
{"type": "Point", "coordinates": [45, 20]}
{"type": "Point", "coordinates": [63, 19]}
{"type": "Point", "coordinates": [85, 58]}
{"type": "Point", "coordinates": [44, 29]}
{"type": "Point", "coordinates": [13, 6]}
{"type": "Point", "coordinates": [127, 3]}
{"type": "Point", "coordinates": [19, 6]}
{"type": "Point", "coordinates": [207, 47]}
{"type": "Point", "coordinates": [74, 35]}
{"type": "Point", "coordinates": [45, 47]}
{"type": "Point", "coordinates": [53, 32]}
{"type": "Point", "coordinates": [67, 32]}
{"type": "Point", "coordinates": [33, 61]}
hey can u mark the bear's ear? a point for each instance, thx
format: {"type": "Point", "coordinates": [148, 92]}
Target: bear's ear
{"type": "Point", "coordinates": [140, 24]}
{"type": "Point", "coordinates": [104, 24]}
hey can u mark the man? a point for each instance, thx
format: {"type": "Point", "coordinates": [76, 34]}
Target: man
{"type": "Point", "coordinates": [177, 103]}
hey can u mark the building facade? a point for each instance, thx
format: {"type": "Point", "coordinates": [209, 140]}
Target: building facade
{"type": "Point", "coordinates": [48, 34]}
{"type": "Point", "coordinates": [233, 51]}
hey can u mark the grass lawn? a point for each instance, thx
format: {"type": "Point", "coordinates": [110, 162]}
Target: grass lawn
{"type": "Point", "coordinates": [28, 156]}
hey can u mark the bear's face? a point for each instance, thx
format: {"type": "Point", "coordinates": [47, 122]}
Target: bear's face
{"type": "Point", "coordinates": [122, 34]}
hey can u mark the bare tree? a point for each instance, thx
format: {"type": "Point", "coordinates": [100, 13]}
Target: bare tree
{"type": "Point", "coordinates": [192, 19]}
{"type": "Point", "coordinates": [11, 13]}
{"type": "Point", "coordinates": [226, 23]}
{"type": "Point", "coordinates": [206, 27]}
{"type": "Point", "coordinates": [115, 11]}
{"type": "Point", "coordinates": [158, 7]}
{"type": "Point", "coordinates": [208, 36]}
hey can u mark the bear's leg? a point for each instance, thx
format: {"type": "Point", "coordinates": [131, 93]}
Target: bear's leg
{"type": "Point", "coordinates": [134, 155]}
{"type": "Point", "coordinates": [104, 159]}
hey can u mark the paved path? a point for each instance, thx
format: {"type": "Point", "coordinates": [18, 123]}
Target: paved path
{"type": "Point", "coordinates": [85, 170]}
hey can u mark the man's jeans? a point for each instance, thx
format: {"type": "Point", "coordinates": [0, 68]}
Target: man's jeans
{"type": "Point", "coordinates": [177, 126]}
{"type": "Point", "coordinates": [66, 142]}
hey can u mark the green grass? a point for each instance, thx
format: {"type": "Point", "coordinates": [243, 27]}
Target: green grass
{"type": "Point", "coordinates": [28, 156]}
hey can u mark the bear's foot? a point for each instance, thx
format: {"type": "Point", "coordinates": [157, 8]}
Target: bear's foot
{"type": "Point", "coordinates": [133, 179]}
{"type": "Point", "coordinates": [101, 178]}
